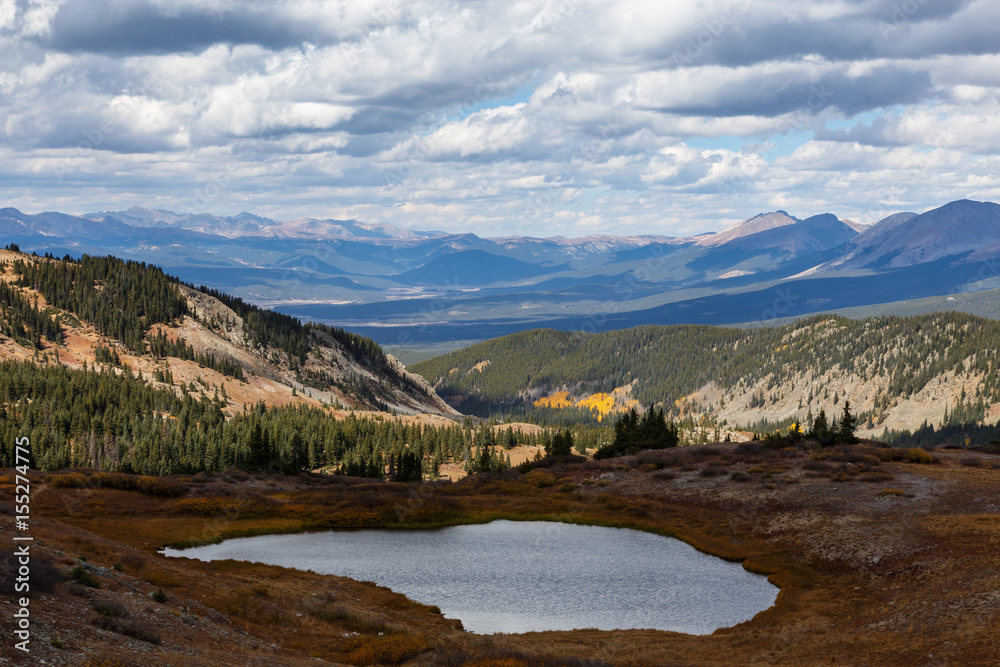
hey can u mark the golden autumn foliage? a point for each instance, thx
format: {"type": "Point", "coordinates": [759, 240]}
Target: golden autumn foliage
{"type": "Point", "coordinates": [557, 400]}
{"type": "Point", "coordinates": [601, 404]}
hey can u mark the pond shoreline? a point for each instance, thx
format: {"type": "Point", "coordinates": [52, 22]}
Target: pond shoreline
{"type": "Point", "coordinates": [581, 567]}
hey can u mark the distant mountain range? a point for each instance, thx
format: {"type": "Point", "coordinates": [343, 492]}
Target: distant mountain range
{"type": "Point", "coordinates": [422, 287]}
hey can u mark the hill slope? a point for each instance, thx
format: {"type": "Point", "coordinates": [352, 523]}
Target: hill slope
{"type": "Point", "coordinates": [897, 372]}
{"type": "Point", "coordinates": [129, 316]}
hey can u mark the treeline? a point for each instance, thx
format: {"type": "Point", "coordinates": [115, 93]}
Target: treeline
{"type": "Point", "coordinates": [22, 320]}
{"type": "Point", "coordinates": [267, 328]}
{"type": "Point", "coordinates": [668, 363]}
{"type": "Point", "coordinates": [113, 420]}
{"type": "Point", "coordinates": [120, 299]}
{"type": "Point", "coordinates": [362, 349]}
{"type": "Point", "coordinates": [952, 434]}
{"type": "Point", "coordinates": [161, 346]}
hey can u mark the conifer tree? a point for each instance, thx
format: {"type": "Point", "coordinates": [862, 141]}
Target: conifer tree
{"type": "Point", "coordinates": [848, 423]}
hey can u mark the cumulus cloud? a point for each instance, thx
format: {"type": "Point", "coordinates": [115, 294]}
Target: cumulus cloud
{"type": "Point", "coordinates": [542, 116]}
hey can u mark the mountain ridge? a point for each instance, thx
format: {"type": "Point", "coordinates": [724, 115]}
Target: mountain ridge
{"type": "Point", "coordinates": [393, 289]}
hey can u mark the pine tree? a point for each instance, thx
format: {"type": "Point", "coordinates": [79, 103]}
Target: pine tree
{"type": "Point", "coordinates": [821, 429]}
{"type": "Point", "coordinates": [848, 423]}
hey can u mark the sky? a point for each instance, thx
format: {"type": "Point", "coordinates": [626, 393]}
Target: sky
{"type": "Point", "coordinates": [526, 117]}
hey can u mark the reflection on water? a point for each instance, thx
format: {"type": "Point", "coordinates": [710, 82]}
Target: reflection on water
{"type": "Point", "coordinates": [509, 576]}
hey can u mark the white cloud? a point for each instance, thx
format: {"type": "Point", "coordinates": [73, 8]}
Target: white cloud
{"type": "Point", "coordinates": [495, 116]}
{"type": "Point", "coordinates": [8, 14]}
{"type": "Point", "coordinates": [38, 15]}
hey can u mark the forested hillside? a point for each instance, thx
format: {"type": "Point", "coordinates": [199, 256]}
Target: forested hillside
{"type": "Point", "coordinates": [896, 371]}
{"type": "Point", "coordinates": [117, 365]}
{"type": "Point", "coordinates": [140, 313]}
{"type": "Point", "coordinates": [116, 421]}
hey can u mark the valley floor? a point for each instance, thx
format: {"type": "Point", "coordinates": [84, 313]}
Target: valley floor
{"type": "Point", "coordinates": [880, 560]}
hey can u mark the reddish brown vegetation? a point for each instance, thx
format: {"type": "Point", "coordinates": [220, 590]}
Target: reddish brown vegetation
{"type": "Point", "coordinates": [883, 557]}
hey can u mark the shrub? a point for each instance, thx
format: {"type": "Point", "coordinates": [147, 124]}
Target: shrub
{"type": "Point", "coordinates": [712, 471]}
{"type": "Point", "coordinates": [133, 561]}
{"type": "Point", "coordinates": [160, 596]}
{"type": "Point", "coordinates": [739, 477]}
{"type": "Point", "coordinates": [110, 607]}
{"type": "Point", "coordinates": [158, 486]}
{"type": "Point", "coordinates": [916, 455]}
{"type": "Point", "coordinates": [82, 575]}
{"type": "Point", "coordinates": [153, 486]}
{"type": "Point", "coordinates": [161, 578]}
{"type": "Point", "coordinates": [664, 475]}
{"type": "Point", "coordinates": [44, 575]}
{"type": "Point", "coordinates": [540, 479]}
{"type": "Point", "coordinates": [391, 649]}
{"type": "Point", "coordinates": [325, 608]}
{"type": "Point", "coordinates": [71, 480]}
{"type": "Point", "coordinates": [970, 462]}
{"type": "Point", "coordinates": [79, 591]}
{"type": "Point", "coordinates": [229, 506]}
{"type": "Point", "coordinates": [749, 449]}
{"type": "Point", "coordinates": [254, 610]}
{"type": "Point", "coordinates": [875, 476]}
{"type": "Point", "coordinates": [127, 628]}
{"type": "Point", "coordinates": [107, 660]}
{"type": "Point", "coordinates": [890, 492]}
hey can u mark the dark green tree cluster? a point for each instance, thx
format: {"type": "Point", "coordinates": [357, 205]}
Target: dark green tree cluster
{"type": "Point", "coordinates": [406, 467]}
{"type": "Point", "coordinates": [120, 299]}
{"type": "Point", "coordinates": [561, 444]}
{"type": "Point", "coordinates": [115, 421]}
{"type": "Point", "coordinates": [634, 433]}
{"type": "Point", "coordinates": [965, 411]}
{"type": "Point", "coordinates": [835, 433]}
{"type": "Point", "coordinates": [21, 320]}
{"type": "Point", "coordinates": [954, 435]}
{"type": "Point", "coordinates": [488, 459]}
{"type": "Point", "coordinates": [107, 355]}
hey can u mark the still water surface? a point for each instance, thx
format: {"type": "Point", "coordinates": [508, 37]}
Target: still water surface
{"type": "Point", "coordinates": [509, 576]}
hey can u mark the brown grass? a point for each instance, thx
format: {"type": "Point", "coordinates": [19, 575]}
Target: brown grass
{"type": "Point", "coordinates": [814, 538]}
